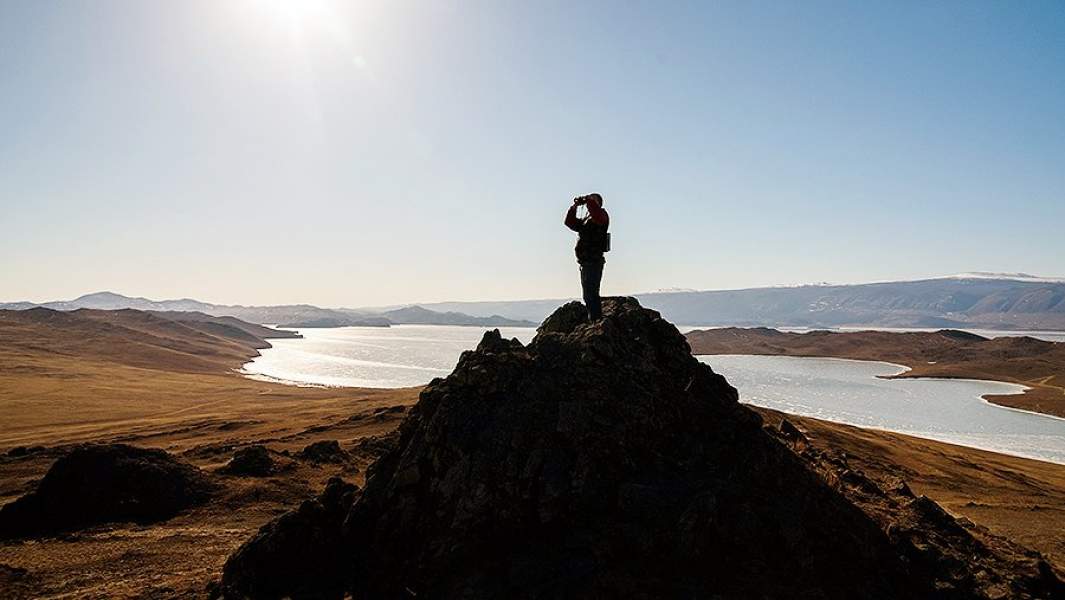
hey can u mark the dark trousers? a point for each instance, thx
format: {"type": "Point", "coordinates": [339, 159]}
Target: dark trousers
{"type": "Point", "coordinates": [591, 277]}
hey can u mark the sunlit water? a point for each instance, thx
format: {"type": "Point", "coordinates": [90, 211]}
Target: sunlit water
{"type": "Point", "coordinates": [845, 391]}
{"type": "Point", "coordinates": [381, 357]}
{"type": "Point", "coordinates": [849, 391]}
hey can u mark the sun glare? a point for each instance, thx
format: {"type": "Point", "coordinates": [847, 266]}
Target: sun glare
{"type": "Point", "coordinates": [293, 14]}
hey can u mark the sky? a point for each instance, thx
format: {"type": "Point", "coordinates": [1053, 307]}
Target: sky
{"type": "Point", "coordinates": [366, 153]}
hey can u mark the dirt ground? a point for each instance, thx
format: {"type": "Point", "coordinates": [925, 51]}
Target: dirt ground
{"type": "Point", "coordinates": [201, 419]}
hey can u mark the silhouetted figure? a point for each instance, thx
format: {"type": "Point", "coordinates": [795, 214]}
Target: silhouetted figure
{"type": "Point", "coordinates": [593, 240]}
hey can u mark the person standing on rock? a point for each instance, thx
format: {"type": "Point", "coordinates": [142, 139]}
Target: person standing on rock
{"type": "Point", "coordinates": [592, 242]}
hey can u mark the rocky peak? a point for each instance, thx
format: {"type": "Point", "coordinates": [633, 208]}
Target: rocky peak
{"type": "Point", "coordinates": [604, 460]}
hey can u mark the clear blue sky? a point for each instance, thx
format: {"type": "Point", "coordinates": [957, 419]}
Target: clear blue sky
{"type": "Point", "coordinates": [361, 153]}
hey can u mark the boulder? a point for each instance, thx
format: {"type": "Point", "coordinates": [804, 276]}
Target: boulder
{"type": "Point", "coordinates": [20, 451]}
{"type": "Point", "coordinates": [253, 461]}
{"type": "Point", "coordinates": [325, 451]}
{"type": "Point", "coordinates": [106, 483]}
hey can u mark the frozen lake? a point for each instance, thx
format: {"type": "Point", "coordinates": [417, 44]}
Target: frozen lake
{"type": "Point", "coordinates": [838, 390]}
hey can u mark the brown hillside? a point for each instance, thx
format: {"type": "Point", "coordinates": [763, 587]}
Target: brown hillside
{"type": "Point", "coordinates": [211, 323]}
{"type": "Point", "coordinates": [128, 337]}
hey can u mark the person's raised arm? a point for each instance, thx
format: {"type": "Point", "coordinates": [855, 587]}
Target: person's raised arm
{"type": "Point", "coordinates": [571, 218]}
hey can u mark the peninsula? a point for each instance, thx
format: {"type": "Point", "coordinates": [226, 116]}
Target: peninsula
{"type": "Point", "coordinates": [1037, 364]}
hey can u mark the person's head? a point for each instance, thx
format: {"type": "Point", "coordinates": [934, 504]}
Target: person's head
{"type": "Point", "coordinates": [594, 199]}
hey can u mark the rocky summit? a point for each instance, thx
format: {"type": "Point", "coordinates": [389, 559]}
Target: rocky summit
{"type": "Point", "coordinates": [604, 461]}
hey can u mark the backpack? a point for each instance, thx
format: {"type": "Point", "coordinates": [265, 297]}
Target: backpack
{"type": "Point", "coordinates": [597, 238]}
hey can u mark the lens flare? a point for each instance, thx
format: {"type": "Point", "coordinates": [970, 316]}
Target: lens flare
{"type": "Point", "coordinates": [294, 14]}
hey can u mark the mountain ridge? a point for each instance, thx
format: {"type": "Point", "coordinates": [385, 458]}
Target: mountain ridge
{"type": "Point", "coordinates": [1003, 301]}
{"type": "Point", "coordinates": [951, 302]}
{"type": "Point", "coordinates": [286, 315]}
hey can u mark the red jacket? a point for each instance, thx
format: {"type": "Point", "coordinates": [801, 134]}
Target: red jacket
{"type": "Point", "coordinates": [595, 213]}
{"type": "Point", "coordinates": [591, 233]}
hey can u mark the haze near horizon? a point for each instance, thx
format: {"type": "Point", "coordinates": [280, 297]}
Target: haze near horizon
{"type": "Point", "coordinates": [374, 153]}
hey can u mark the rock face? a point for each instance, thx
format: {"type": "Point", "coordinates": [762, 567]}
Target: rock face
{"type": "Point", "coordinates": [604, 461]}
{"type": "Point", "coordinates": [297, 555]}
{"type": "Point", "coordinates": [105, 483]}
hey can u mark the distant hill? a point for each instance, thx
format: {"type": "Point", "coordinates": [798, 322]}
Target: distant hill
{"type": "Point", "coordinates": [978, 300]}
{"type": "Point", "coordinates": [212, 323]}
{"type": "Point", "coordinates": [113, 301]}
{"type": "Point", "coordinates": [352, 321]}
{"type": "Point", "coordinates": [178, 342]}
{"type": "Point", "coordinates": [417, 315]}
{"type": "Point", "coordinates": [971, 300]}
{"type": "Point", "coordinates": [16, 305]}
{"type": "Point", "coordinates": [289, 315]}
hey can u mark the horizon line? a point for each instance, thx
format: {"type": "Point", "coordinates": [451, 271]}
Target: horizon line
{"type": "Point", "coordinates": [1019, 277]}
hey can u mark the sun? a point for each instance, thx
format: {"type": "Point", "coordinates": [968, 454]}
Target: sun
{"type": "Point", "coordinates": [294, 14]}
{"type": "Point", "coordinates": [308, 26]}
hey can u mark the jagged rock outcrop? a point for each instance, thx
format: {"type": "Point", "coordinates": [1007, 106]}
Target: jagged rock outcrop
{"type": "Point", "coordinates": [106, 483]}
{"type": "Point", "coordinates": [297, 555]}
{"type": "Point", "coordinates": [602, 460]}
{"type": "Point", "coordinates": [961, 558]}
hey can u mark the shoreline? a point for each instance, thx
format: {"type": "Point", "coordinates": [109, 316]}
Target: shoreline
{"type": "Point", "coordinates": [903, 369]}
{"type": "Point", "coordinates": [1011, 441]}
{"type": "Point", "coordinates": [915, 435]}
{"type": "Point", "coordinates": [905, 374]}
{"type": "Point", "coordinates": [1034, 364]}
